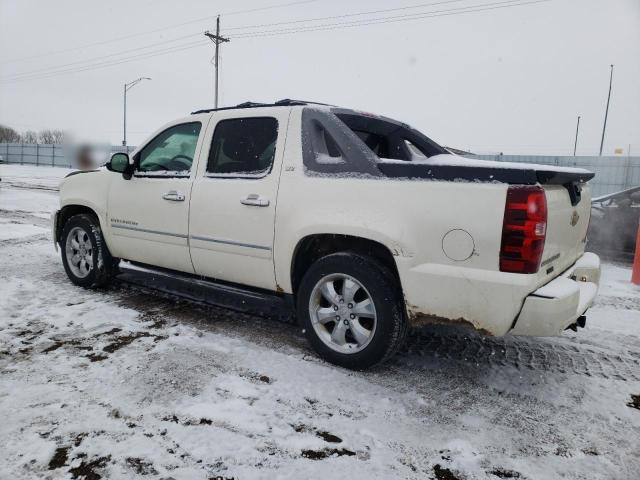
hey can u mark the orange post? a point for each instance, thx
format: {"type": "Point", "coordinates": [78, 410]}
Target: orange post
{"type": "Point", "coordinates": [635, 275]}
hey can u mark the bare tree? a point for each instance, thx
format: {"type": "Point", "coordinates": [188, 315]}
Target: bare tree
{"type": "Point", "coordinates": [8, 135]}
{"type": "Point", "coordinates": [29, 136]}
{"type": "Point", "coordinates": [58, 136]}
{"type": "Point", "coordinates": [45, 136]}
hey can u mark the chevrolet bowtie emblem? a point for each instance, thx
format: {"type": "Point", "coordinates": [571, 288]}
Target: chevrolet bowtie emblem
{"type": "Point", "coordinates": [574, 218]}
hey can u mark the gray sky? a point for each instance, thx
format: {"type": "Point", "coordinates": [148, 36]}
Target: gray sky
{"type": "Point", "coordinates": [508, 79]}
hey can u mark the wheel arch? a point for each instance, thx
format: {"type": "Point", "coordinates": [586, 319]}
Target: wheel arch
{"type": "Point", "coordinates": [315, 246]}
{"type": "Point", "coordinates": [68, 211]}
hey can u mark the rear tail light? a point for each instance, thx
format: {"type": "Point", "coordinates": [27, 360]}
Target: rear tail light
{"type": "Point", "coordinates": [523, 230]}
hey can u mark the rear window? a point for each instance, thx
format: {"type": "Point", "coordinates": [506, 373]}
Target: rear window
{"type": "Point", "coordinates": [388, 138]}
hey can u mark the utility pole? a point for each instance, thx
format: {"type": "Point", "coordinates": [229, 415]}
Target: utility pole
{"type": "Point", "coordinates": [217, 40]}
{"type": "Point", "coordinates": [575, 145]}
{"type": "Point", "coordinates": [606, 113]}
{"type": "Point", "coordinates": [128, 86]}
{"type": "Point", "coordinates": [124, 126]}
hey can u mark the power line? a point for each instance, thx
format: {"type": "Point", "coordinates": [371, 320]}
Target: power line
{"type": "Point", "coordinates": [156, 30]}
{"type": "Point", "coordinates": [188, 46]}
{"type": "Point", "coordinates": [88, 60]}
{"type": "Point", "coordinates": [333, 17]}
{"type": "Point", "coordinates": [79, 62]}
{"type": "Point", "coordinates": [268, 33]}
{"type": "Point", "coordinates": [393, 19]}
{"type": "Point", "coordinates": [53, 69]}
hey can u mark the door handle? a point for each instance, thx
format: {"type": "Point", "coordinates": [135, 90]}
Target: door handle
{"type": "Point", "coordinates": [254, 200]}
{"type": "Point", "coordinates": [174, 196]}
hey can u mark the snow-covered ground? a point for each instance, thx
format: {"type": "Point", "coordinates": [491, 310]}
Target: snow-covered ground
{"type": "Point", "coordinates": [128, 383]}
{"type": "Point", "coordinates": [29, 176]}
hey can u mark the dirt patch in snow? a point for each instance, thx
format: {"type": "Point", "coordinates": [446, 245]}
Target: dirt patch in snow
{"type": "Point", "coordinates": [503, 473]}
{"type": "Point", "coordinates": [87, 470]}
{"type": "Point", "coordinates": [59, 458]}
{"type": "Point", "coordinates": [327, 452]}
{"type": "Point", "coordinates": [326, 436]}
{"type": "Point", "coordinates": [96, 357]}
{"type": "Point", "coordinates": [124, 340]}
{"type": "Point", "coordinates": [635, 402]}
{"type": "Point", "coordinates": [443, 473]}
{"type": "Point", "coordinates": [59, 344]}
{"type": "Point", "coordinates": [141, 467]}
{"type": "Point", "coordinates": [329, 437]}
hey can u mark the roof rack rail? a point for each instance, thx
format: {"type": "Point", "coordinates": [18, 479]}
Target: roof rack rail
{"type": "Point", "coordinates": [286, 102]}
{"type": "Point", "coordinates": [292, 102]}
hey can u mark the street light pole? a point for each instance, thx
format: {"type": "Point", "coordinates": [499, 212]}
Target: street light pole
{"type": "Point", "coordinates": [575, 145]}
{"type": "Point", "coordinates": [128, 86]}
{"type": "Point", "coordinates": [124, 133]}
{"type": "Point", "coordinates": [606, 113]}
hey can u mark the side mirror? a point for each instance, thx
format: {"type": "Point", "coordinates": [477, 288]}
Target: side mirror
{"type": "Point", "coordinates": [120, 163]}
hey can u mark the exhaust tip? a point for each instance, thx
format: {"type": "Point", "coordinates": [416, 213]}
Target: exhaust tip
{"type": "Point", "coordinates": [582, 321]}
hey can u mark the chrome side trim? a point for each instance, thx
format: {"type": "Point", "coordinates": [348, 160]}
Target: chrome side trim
{"type": "Point", "coordinates": [229, 242]}
{"type": "Point", "coordinates": [145, 230]}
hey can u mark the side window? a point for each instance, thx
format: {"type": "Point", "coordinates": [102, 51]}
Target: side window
{"type": "Point", "coordinates": [172, 150]}
{"type": "Point", "coordinates": [243, 146]}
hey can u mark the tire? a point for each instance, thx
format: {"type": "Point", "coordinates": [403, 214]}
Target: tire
{"type": "Point", "coordinates": [99, 266]}
{"type": "Point", "coordinates": [386, 330]}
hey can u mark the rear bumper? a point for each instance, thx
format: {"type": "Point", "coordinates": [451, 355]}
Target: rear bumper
{"type": "Point", "coordinates": [552, 308]}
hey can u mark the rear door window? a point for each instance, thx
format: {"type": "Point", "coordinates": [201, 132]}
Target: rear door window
{"type": "Point", "coordinates": [243, 147]}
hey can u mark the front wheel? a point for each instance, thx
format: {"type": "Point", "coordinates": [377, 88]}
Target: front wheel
{"type": "Point", "coordinates": [85, 256]}
{"type": "Point", "coordinates": [351, 310]}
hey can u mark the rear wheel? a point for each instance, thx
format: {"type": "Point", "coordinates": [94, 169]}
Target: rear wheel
{"type": "Point", "coordinates": [351, 309]}
{"type": "Point", "coordinates": [85, 256]}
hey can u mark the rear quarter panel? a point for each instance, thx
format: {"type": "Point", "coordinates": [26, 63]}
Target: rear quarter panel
{"type": "Point", "coordinates": [412, 219]}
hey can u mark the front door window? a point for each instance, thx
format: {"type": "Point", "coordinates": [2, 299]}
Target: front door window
{"type": "Point", "coordinates": [171, 151]}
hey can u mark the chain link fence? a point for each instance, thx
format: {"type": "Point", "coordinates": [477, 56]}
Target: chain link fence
{"type": "Point", "coordinates": [613, 173]}
{"type": "Point", "coordinates": [50, 155]}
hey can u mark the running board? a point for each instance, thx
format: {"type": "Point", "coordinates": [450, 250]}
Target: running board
{"type": "Point", "coordinates": [211, 292]}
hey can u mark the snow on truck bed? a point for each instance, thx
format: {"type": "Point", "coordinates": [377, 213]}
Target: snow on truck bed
{"type": "Point", "coordinates": [453, 160]}
{"type": "Point", "coordinates": [126, 383]}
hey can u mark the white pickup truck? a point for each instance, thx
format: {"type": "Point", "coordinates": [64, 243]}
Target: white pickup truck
{"type": "Point", "coordinates": [360, 223]}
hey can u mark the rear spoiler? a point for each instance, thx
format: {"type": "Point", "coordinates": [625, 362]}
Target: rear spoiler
{"type": "Point", "coordinates": [552, 177]}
